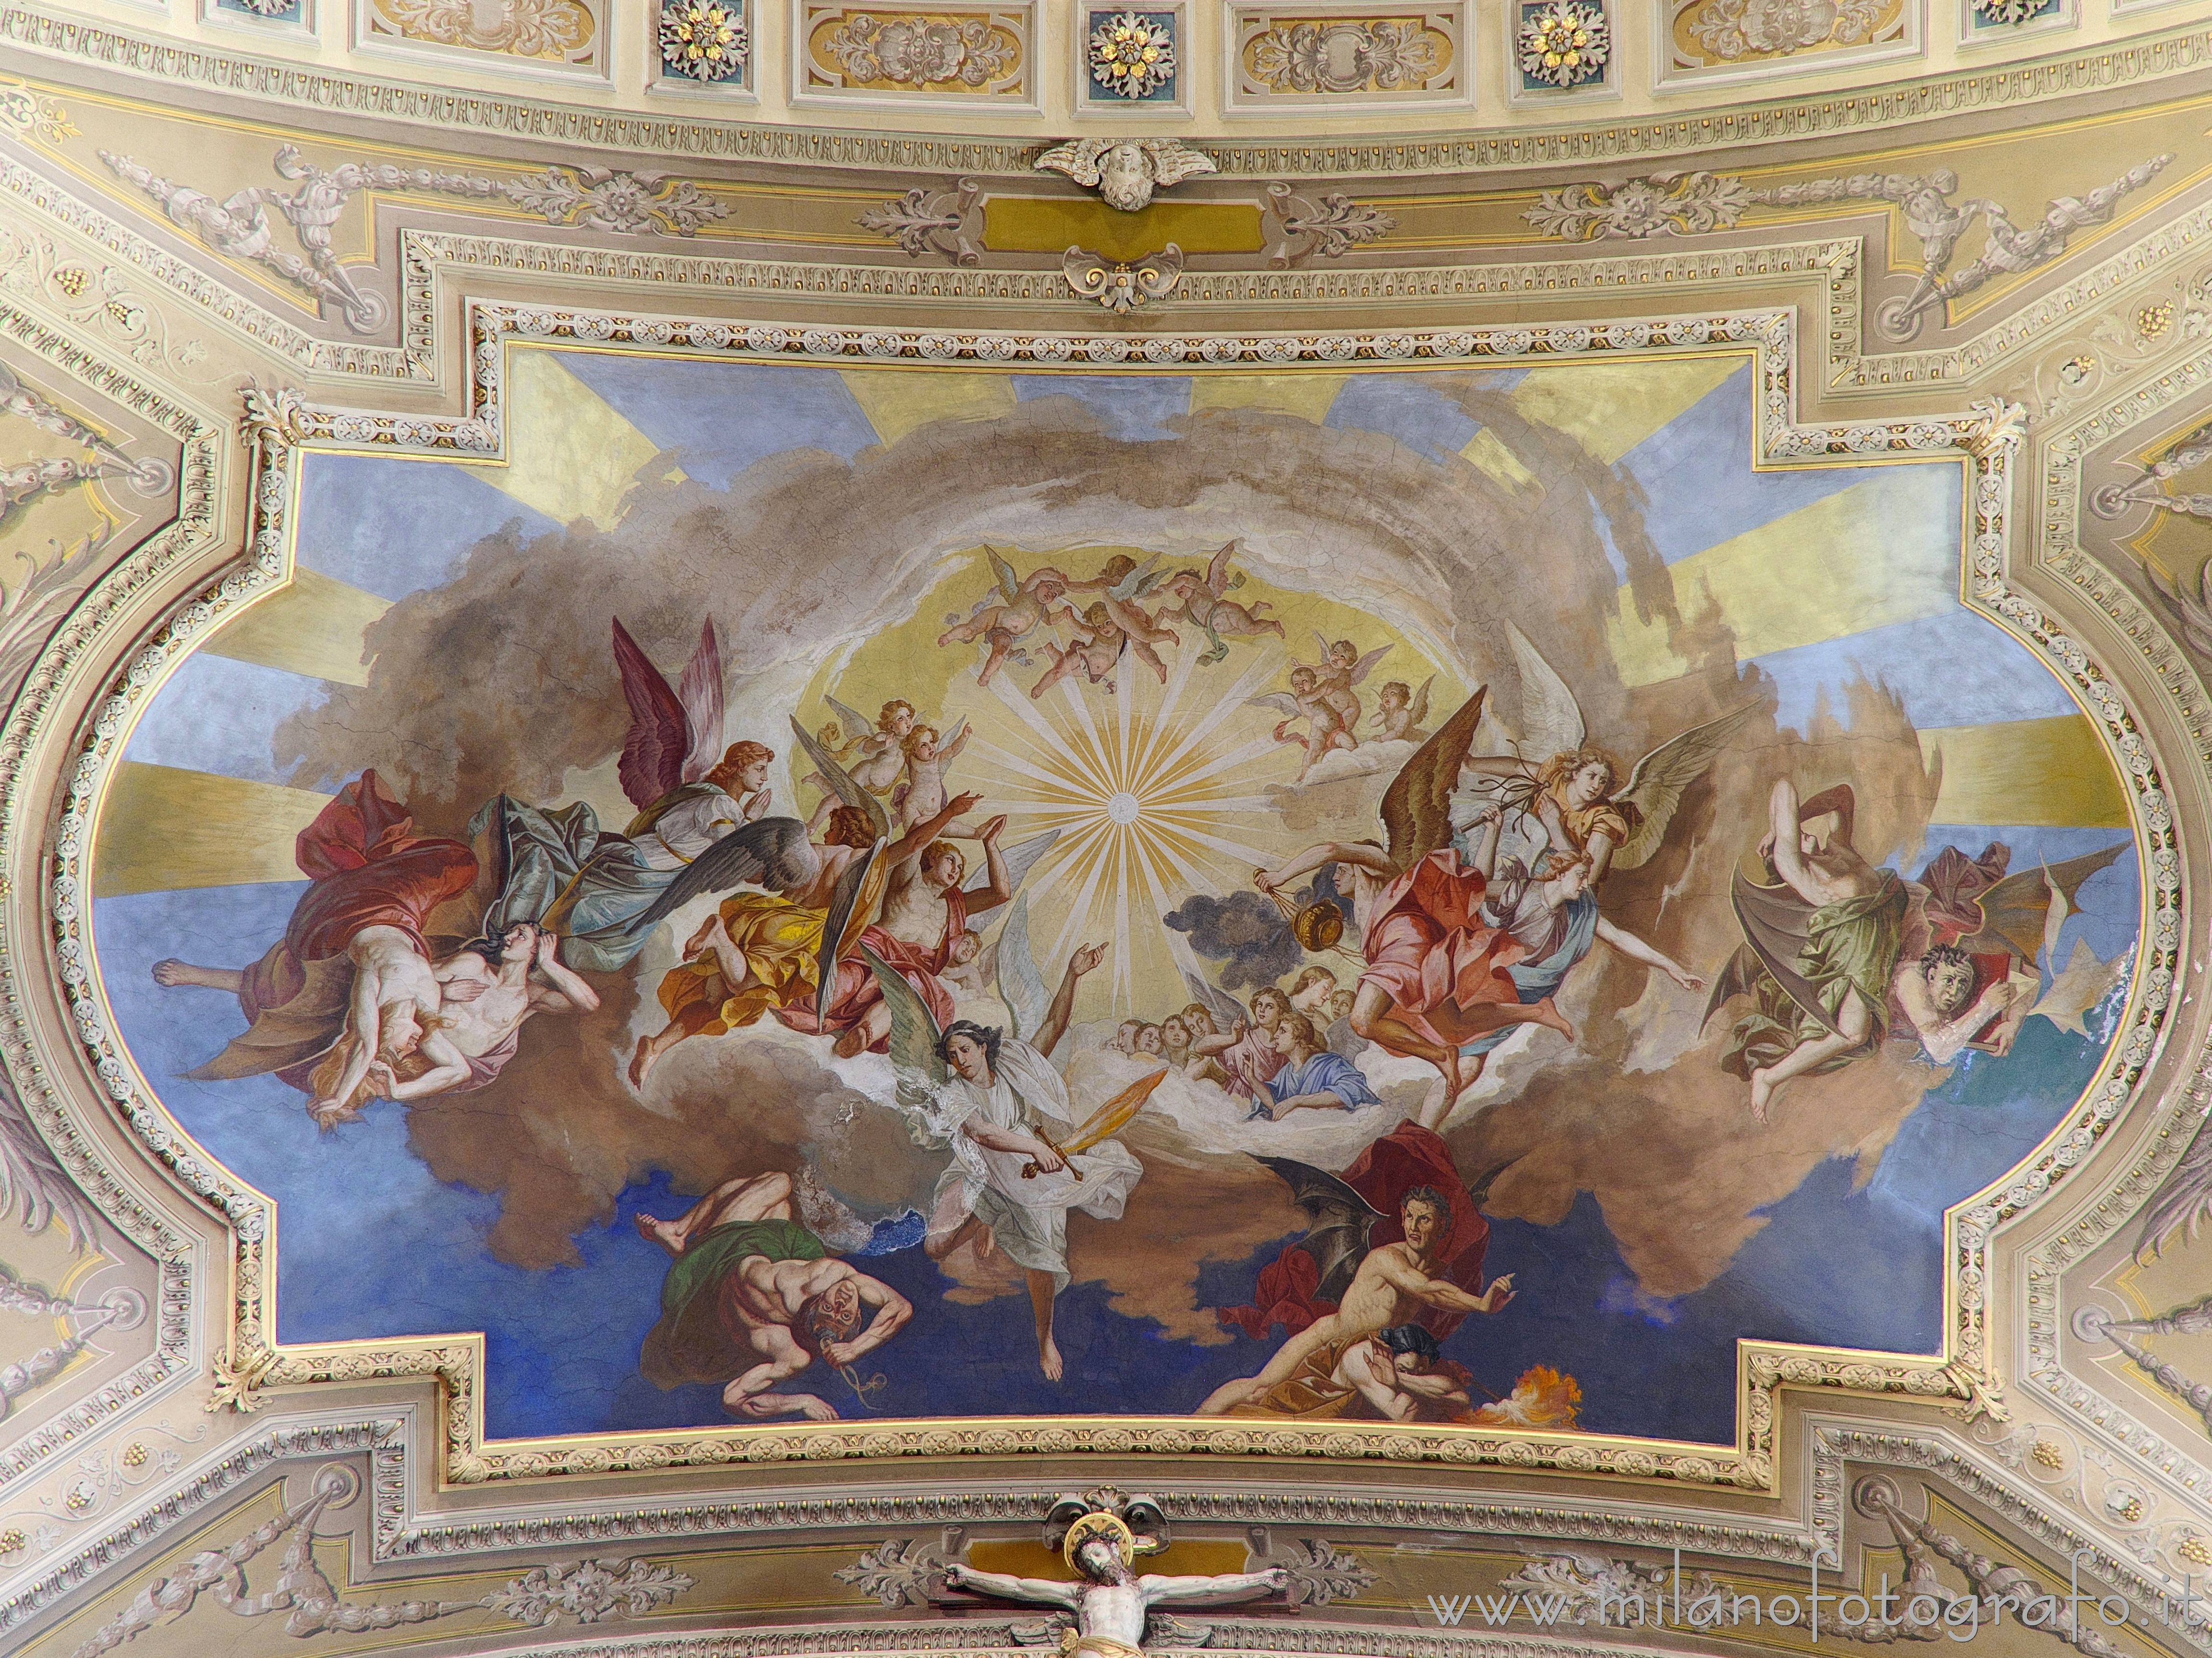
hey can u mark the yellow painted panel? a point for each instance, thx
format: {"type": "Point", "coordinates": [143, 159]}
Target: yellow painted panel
{"type": "Point", "coordinates": [1609, 408]}
{"type": "Point", "coordinates": [1192, 1557]}
{"type": "Point", "coordinates": [1305, 395]}
{"type": "Point", "coordinates": [571, 455]}
{"type": "Point", "coordinates": [1038, 224]}
{"type": "Point", "coordinates": [2048, 772]}
{"type": "Point", "coordinates": [1493, 456]}
{"type": "Point", "coordinates": [162, 827]}
{"type": "Point", "coordinates": [314, 626]}
{"type": "Point", "coordinates": [1883, 551]}
{"type": "Point", "coordinates": [898, 400]}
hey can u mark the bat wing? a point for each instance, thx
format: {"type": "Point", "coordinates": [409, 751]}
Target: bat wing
{"type": "Point", "coordinates": [1417, 806]}
{"type": "Point", "coordinates": [1020, 860]}
{"type": "Point", "coordinates": [652, 754]}
{"type": "Point", "coordinates": [1654, 787]}
{"type": "Point", "coordinates": [1337, 1239]}
{"type": "Point", "coordinates": [2014, 909]}
{"type": "Point", "coordinates": [2183, 1198]}
{"type": "Point", "coordinates": [772, 853]}
{"type": "Point", "coordinates": [1219, 1002]}
{"type": "Point", "coordinates": [1021, 987]}
{"type": "Point", "coordinates": [1551, 719]}
{"type": "Point", "coordinates": [33, 1185]}
{"type": "Point", "coordinates": [841, 784]}
{"type": "Point", "coordinates": [700, 691]}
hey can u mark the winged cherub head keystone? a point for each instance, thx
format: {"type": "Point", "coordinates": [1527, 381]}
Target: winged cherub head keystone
{"type": "Point", "coordinates": [1125, 171]}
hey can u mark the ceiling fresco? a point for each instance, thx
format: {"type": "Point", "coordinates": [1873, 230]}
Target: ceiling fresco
{"type": "Point", "coordinates": [1350, 846]}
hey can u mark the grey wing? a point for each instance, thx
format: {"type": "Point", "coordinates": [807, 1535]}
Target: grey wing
{"type": "Point", "coordinates": [1281, 701]}
{"type": "Point", "coordinates": [1654, 787]}
{"type": "Point", "coordinates": [841, 784]}
{"type": "Point", "coordinates": [1171, 163]}
{"type": "Point", "coordinates": [1217, 569]}
{"type": "Point", "coordinates": [913, 1033]}
{"type": "Point", "coordinates": [854, 724]}
{"type": "Point", "coordinates": [1341, 1219]}
{"type": "Point", "coordinates": [2185, 1198]}
{"type": "Point", "coordinates": [772, 853]}
{"type": "Point", "coordinates": [1021, 987]}
{"type": "Point", "coordinates": [1020, 860]}
{"type": "Point", "coordinates": [850, 892]}
{"type": "Point", "coordinates": [1365, 666]}
{"type": "Point", "coordinates": [1138, 582]}
{"type": "Point", "coordinates": [33, 1185]}
{"type": "Point", "coordinates": [1222, 1006]}
{"type": "Point", "coordinates": [1551, 719]}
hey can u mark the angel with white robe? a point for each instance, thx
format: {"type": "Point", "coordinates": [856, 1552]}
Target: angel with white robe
{"type": "Point", "coordinates": [1019, 1160]}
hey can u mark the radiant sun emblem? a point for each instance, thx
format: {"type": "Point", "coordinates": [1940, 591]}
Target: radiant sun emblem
{"type": "Point", "coordinates": [1123, 807]}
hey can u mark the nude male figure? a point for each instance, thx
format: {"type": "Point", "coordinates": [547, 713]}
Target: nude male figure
{"type": "Point", "coordinates": [1395, 1284]}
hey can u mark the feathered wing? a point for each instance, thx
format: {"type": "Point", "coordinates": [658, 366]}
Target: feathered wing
{"type": "Point", "coordinates": [1418, 708]}
{"type": "Point", "coordinates": [851, 721]}
{"type": "Point", "coordinates": [1138, 582]}
{"type": "Point", "coordinates": [1078, 158]}
{"type": "Point", "coordinates": [1222, 1006]}
{"type": "Point", "coordinates": [1417, 806]}
{"type": "Point", "coordinates": [1021, 859]}
{"type": "Point", "coordinates": [654, 753]}
{"type": "Point", "coordinates": [1010, 584]}
{"type": "Point", "coordinates": [773, 853]}
{"type": "Point", "coordinates": [2014, 909]}
{"type": "Point", "coordinates": [1217, 569]}
{"type": "Point", "coordinates": [1654, 787]}
{"type": "Point", "coordinates": [948, 744]}
{"type": "Point", "coordinates": [841, 784]}
{"type": "Point", "coordinates": [1342, 1219]}
{"type": "Point", "coordinates": [1551, 719]}
{"type": "Point", "coordinates": [1021, 987]}
{"type": "Point", "coordinates": [700, 691]}
{"type": "Point", "coordinates": [33, 1186]}
{"type": "Point", "coordinates": [914, 1034]}
{"type": "Point", "coordinates": [1171, 163]}
{"type": "Point", "coordinates": [1365, 666]}
{"type": "Point", "coordinates": [853, 902]}
{"type": "Point", "coordinates": [1280, 702]}
{"type": "Point", "coordinates": [2183, 1198]}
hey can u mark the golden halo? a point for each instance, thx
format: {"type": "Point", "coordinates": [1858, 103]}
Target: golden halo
{"type": "Point", "coordinates": [1097, 1524]}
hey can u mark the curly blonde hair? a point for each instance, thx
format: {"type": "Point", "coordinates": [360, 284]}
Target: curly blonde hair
{"type": "Point", "coordinates": [1555, 772]}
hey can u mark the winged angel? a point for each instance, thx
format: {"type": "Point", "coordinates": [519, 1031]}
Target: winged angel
{"type": "Point", "coordinates": [1020, 1163]}
{"type": "Point", "coordinates": [1125, 171]}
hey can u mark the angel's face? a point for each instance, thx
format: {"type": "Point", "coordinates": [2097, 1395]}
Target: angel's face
{"type": "Point", "coordinates": [1950, 987]}
{"type": "Point", "coordinates": [1148, 1039]}
{"type": "Point", "coordinates": [1050, 591]}
{"type": "Point", "coordinates": [970, 1058]}
{"type": "Point", "coordinates": [947, 869]}
{"type": "Point", "coordinates": [1175, 1034]}
{"type": "Point", "coordinates": [753, 777]}
{"type": "Point", "coordinates": [966, 948]}
{"type": "Point", "coordinates": [1301, 680]}
{"type": "Point", "coordinates": [1340, 1005]}
{"type": "Point", "coordinates": [1342, 655]}
{"type": "Point", "coordinates": [1392, 698]}
{"type": "Point", "coordinates": [1125, 1037]}
{"type": "Point", "coordinates": [1125, 178]}
{"type": "Point", "coordinates": [1198, 1021]}
{"type": "Point", "coordinates": [1589, 783]}
{"type": "Point", "coordinates": [902, 723]}
{"type": "Point", "coordinates": [1268, 1008]}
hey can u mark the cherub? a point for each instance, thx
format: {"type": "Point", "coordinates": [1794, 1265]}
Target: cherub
{"type": "Point", "coordinates": [1341, 668]}
{"type": "Point", "coordinates": [1326, 729]}
{"type": "Point", "coordinates": [1577, 795]}
{"type": "Point", "coordinates": [1019, 607]}
{"type": "Point", "coordinates": [923, 793]}
{"type": "Point", "coordinates": [1204, 602]}
{"type": "Point", "coordinates": [1400, 710]}
{"type": "Point", "coordinates": [880, 751]}
{"type": "Point", "coordinates": [1125, 171]}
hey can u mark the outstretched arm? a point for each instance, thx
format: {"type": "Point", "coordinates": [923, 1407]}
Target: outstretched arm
{"type": "Point", "coordinates": [1040, 1590]}
{"type": "Point", "coordinates": [1637, 951]}
{"type": "Point", "coordinates": [994, 866]}
{"type": "Point", "coordinates": [448, 1069]}
{"type": "Point", "coordinates": [365, 1021]}
{"type": "Point", "coordinates": [1444, 1294]}
{"type": "Point", "coordinates": [1201, 1591]}
{"type": "Point", "coordinates": [1490, 820]}
{"type": "Point", "coordinates": [1371, 858]}
{"type": "Point", "coordinates": [1085, 960]}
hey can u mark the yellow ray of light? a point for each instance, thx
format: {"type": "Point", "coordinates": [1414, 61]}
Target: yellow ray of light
{"type": "Point", "coordinates": [1490, 456]}
{"type": "Point", "coordinates": [898, 400]}
{"type": "Point", "coordinates": [1812, 574]}
{"type": "Point", "coordinates": [1611, 407]}
{"type": "Point", "coordinates": [162, 827]}
{"type": "Point", "coordinates": [1307, 396]}
{"type": "Point", "coordinates": [2045, 771]}
{"type": "Point", "coordinates": [312, 626]}
{"type": "Point", "coordinates": [572, 455]}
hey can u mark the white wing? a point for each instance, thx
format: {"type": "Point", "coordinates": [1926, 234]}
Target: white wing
{"type": "Point", "coordinates": [1078, 158]}
{"type": "Point", "coordinates": [1551, 719]}
{"type": "Point", "coordinates": [32, 1183]}
{"type": "Point", "coordinates": [1280, 702]}
{"type": "Point", "coordinates": [856, 724]}
{"type": "Point", "coordinates": [1021, 859]}
{"type": "Point", "coordinates": [1171, 163]}
{"type": "Point", "coordinates": [1021, 987]}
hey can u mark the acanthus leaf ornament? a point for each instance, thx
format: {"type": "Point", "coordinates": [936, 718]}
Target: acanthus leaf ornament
{"type": "Point", "coordinates": [1564, 44]}
{"type": "Point", "coordinates": [1732, 30]}
{"type": "Point", "coordinates": [1133, 54]}
{"type": "Point", "coordinates": [947, 221]}
{"type": "Point", "coordinates": [1662, 205]}
{"type": "Point", "coordinates": [1297, 228]}
{"type": "Point", "coordinates": [1123, 287]}
{"type": "Point", "coordinates": [705, 40]}
{"type": "Point", "coordinates": [1347, 55]}
{"type": "Point", "coordinates": [922, 50]}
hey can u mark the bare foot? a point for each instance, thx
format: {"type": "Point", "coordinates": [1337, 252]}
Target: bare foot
{"type": "Point", "coordinates": [849, 1042]}
{"type": "Point", "coordinates": [1549, 1015]}
{"type": "Point", "coordinates": [662, 1232]}
{"type": "Point", "coordinates": [641, 1063]}
{"type": "Point", "coordinates": [1762, 1094]}
{"type": "Point", "coordinates": [1455, 1079]}
{"type": "Point", "coordinates": [1048, 1359]}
